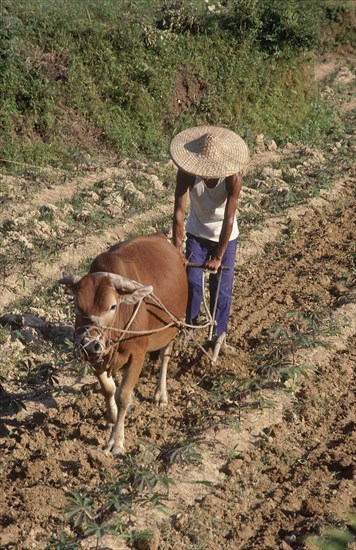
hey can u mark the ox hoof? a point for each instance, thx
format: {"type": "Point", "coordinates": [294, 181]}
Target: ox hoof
{"type": "Point", "coordinates": [118, 453]}
{"type": "Point", "coordinates": [160, 400]}
{"type": "Point", "coordinates": [109, 450]}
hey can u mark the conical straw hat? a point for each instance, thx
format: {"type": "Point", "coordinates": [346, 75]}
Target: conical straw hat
{"type": "Point", "coordinates": [209, 151]}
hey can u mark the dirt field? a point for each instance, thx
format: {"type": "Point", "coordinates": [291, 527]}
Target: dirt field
{"type": "Point", "coordinates": [254, 452]}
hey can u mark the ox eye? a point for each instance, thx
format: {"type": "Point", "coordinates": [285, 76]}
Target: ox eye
{"type": "Point", "coordinates": [113, 307]}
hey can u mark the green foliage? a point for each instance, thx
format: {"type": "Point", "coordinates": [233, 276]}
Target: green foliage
{"type": "Point", "coordinates": [110, 507]}
{"type": "Point", "coordinates": [29, 375]}
{"type": "Point", "coordinates": [35, 375]}
{"type": "Point", "coordinates": [336, 539]}
{"type": "Point", "coordinates": [69, 81]}
{"type": "Point", "coordinates": [80, 509]}
{"type": "Point", "coordinates": [182, 453]}
{"type": "Point", "coordinates": [275, 26]}
{"type": "Point", "coordinates": [337, 26]}
{"type": "Point", "coordinates": [62, 542]}
{"type": "Point", "coordinates": [274, 365]}
{"type": "Point", "coordinates": [178, 17]}
{"type": "Point", "coordinates": [8, 401]}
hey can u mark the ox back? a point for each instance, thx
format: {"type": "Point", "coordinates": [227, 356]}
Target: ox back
{"type": "Point", "coordinates": [126, 306]}
{"type": "Point", "coordinates": [151, 260]}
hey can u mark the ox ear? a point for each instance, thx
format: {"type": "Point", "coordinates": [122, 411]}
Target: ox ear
{"type": "Point", "coordinates": [70, 281]}
{"type": "Point", "coordinates": [137, 295]}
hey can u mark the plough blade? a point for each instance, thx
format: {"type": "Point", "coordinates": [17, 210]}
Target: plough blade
{"type": "Point", "coordinates": [219, 342]}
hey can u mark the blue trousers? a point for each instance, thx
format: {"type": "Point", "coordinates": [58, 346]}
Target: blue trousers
{"type": "Point", "coordinates": [199, 250]}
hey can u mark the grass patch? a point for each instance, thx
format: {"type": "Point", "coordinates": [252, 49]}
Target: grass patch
{"type": "Point", "coordinates": [69, 82]}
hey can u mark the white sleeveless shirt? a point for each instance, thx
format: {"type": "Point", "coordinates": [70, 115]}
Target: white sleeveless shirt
{"type": "Point", "coordinates": [207, 209]}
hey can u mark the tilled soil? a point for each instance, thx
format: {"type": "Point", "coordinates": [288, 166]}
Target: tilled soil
{"type": "Point", "coordinates": [298, 473]}
{"type": "Point", "coordinates": [271, 466]}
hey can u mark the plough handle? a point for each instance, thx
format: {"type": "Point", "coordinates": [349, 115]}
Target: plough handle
{"type": "Point", "coordinates": [192, 264]}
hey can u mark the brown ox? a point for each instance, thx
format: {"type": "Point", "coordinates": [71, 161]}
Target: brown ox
{"type": "Point", "coordinates": [120, 292]}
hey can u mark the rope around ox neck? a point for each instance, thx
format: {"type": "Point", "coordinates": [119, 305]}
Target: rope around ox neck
{"type": "Point", "coordinates": [179, 323]}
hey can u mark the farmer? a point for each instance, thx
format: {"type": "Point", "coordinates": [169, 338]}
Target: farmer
{"type": "Point", "coordinates": [210, 160]}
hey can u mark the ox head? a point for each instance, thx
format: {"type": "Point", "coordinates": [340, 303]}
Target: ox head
{"type": "Point", "coordinates": [97, 298]}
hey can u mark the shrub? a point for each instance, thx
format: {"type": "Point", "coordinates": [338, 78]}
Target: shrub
{"type": "Point", "coordinates": [121, 76]}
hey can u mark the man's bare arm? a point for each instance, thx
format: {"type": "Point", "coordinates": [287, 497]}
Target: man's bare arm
{"type": "Point", "coordinates": [233, 187]}
{"type": "Point", "coordinates": [180, 205]}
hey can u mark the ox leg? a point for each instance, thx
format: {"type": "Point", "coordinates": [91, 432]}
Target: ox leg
{"type": "Point", "coordinates": [130, 376]}
{"type": "Point", "coordinates": [161, 395]}
{"type": "Point", "coordinates": [108, 388]}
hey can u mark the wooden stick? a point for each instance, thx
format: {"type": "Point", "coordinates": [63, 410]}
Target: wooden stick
{"type": "Point", "coordinates": [193, 264]}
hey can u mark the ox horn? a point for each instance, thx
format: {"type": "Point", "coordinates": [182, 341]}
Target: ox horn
{"type": "Point", "coordinates": [136, 291]}
{"type": "Point", "coordinates": [120, 282]}
{"type": "Point", "coordinates": [70, 280]}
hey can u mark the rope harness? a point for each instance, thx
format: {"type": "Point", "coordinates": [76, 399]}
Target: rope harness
{"type": "Point", "coordinates": [108, 345]}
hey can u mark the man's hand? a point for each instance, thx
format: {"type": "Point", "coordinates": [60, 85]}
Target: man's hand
{"type": "Point", "coordinates": [212, 265]}
{"type": "Point", "coordinates": [185, 262]}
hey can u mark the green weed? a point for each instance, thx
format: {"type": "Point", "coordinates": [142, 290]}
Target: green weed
{"type": "Point", "coordinates": [110, 508]}
{"type": "Point", "coordinates": [181, 453]}
{"type": "Point", "coordinates": [37, 375]}
{"type": "Point", "coordinates": [69, 83]}
{"type": "Point", "coordinates": [10, 401]}
{"type": "Point", "coordinates": [276, 362]}
{"type": "Point", "coordinates": [336, 538]}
